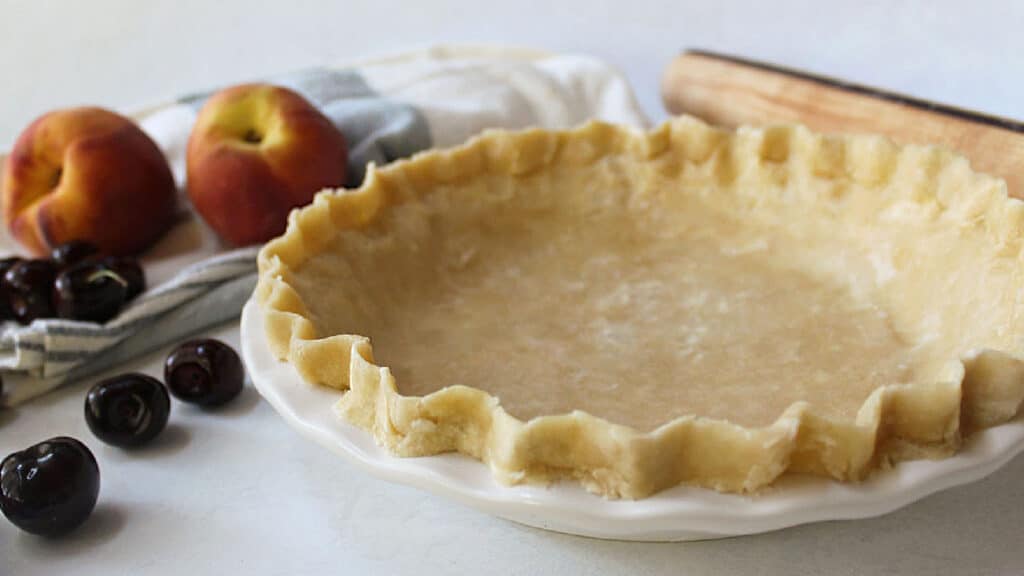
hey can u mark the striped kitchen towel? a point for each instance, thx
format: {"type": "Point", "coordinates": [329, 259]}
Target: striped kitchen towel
{"type": "Point", "coordinates": [388, 108]}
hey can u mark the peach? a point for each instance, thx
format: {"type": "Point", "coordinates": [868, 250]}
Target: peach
{"type": "Point", "coordinates": [87, 174]}
{"type": "Point", "coordinates": [256, 152]}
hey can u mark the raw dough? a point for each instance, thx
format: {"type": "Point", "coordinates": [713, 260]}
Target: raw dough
{"type": "Point", "coordinates": [638, 310]}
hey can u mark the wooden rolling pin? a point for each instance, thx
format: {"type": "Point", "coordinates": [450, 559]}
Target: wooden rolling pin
{"type": "Point", "coordinates": [731, 91]}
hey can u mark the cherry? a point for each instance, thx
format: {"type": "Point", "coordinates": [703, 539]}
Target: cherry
{"type": "Point", "coordinates": [5, 305]}
{"type": "Point", "coordinates": [130, 270]}
{"type": "Point", "coordinates": [206, 372]}
{"type": "Point", "coordinates": [29, 284]}
{"type": "Point", "coordinates": [127, 410]}
{"type": "Point", "coordinates": [73, 252]}
{"type": "Point", "coordinates": [89, 291]}
{"type": "Point", "coordinates": [49, 488]}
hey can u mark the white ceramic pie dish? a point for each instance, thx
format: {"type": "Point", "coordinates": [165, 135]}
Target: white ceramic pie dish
{"type": "Point", "coordinates": [680, 513]}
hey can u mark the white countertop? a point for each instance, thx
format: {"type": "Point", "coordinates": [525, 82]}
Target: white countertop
{"type": "Point", "coordinates": [240, 492]}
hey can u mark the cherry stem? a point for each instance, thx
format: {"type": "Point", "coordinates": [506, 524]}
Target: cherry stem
{"type": "Point", "coordinates": [106, 273]}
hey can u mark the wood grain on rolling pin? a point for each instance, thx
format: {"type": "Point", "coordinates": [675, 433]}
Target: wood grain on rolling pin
{"type": "Point", "coordinates": [729, 91]}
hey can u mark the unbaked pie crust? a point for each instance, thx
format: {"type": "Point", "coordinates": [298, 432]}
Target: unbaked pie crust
{"type": "Point", "coordinates": [637, 310]}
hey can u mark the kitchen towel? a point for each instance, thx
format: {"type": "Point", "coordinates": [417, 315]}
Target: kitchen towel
{"type": "Point", "coordinates": [388, 108]}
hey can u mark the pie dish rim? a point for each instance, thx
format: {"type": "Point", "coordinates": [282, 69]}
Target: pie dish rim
{"type": "Point", "coordinates": [676, 514]}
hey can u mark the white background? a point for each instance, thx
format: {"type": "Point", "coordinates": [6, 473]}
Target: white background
{"type": "Point", "coordinates": [123, 53]}
{"type": "Point", "coordinates": [238, 492]}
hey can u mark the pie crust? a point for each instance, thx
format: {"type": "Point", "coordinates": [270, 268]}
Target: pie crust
{"type": "Point", "coordinates": [686, 305]}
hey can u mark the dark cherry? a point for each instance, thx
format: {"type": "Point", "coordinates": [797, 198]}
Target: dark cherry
{"type": "Point", "coordinates": [130, 270]}
{"type": "Point", "coordinates": [73, 252]}
{"type": "Point", "coordinates": [7, 263]}
{"type": "Point", "coordinates": [206, 372]}
{"type": "Point", "coordinates": [50, 488]}
{"type": "Point", "coordinates": [5, 305]}
{"type": "Point", "coordinates": [89, 291]}
{"type": "Point", "coordinates": [29, 284]}
{"type": "Point", "coordinates": [127, 410]}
